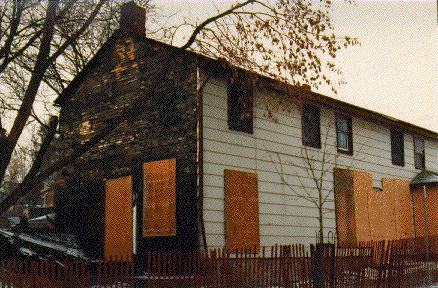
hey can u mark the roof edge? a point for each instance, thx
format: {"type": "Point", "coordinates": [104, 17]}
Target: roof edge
{"type": "Point", "coordinates": [311, 95]}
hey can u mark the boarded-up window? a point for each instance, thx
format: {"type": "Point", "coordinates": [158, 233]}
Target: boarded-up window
{"type": "Point", "coordinates": [240, 104]}
{"type": "Point", "coordinates": [159, 198]}
{"type": "Point", "coordinates": [118, 218]}
{"type": "Point", "coordinates": [310, 125]}
{"type": "Point", "coordinates": [241, 210]}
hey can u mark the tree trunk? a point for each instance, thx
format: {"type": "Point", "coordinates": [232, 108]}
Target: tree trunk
{"type": "Point", "coordinates": [32, 89]}
{"type": "Point", "coordinates": [37, 75]}
{"type": "Point", "coordinates": [321, 225]}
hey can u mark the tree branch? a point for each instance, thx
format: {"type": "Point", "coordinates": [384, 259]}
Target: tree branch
{"type": "Point", "coordinates": [36, 35]}
{"type": "Point", "coordinates": [18, 9]}
{"type": "Point", "coordinates": [308, 197]}
{"type": "Point", "coordinates": [75, 36]}
{"type": "Point", "coordinates": [212, 19]}
{"type": "Point", "coordinates": [50, 134]}
{"type": "Point", "coordinates": [32, 89]}
{"type": "Point", "coordinates": [129, 112]}
{"type": "Point", "coordinates": [20, 52]}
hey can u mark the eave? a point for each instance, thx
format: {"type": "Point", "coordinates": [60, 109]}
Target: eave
{"type": "Point", "coordinates": [223, 66]}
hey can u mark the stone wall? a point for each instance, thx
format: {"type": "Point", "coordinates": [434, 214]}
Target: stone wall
{"type": "Point", "coordinates": [164, 129]}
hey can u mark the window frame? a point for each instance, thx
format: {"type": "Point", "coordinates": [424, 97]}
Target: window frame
{"type": "Point", "coordinates": [397, 135]}
{"type": "Point", "coordinates": [349, 134]}
{"type": "Point", "coordinates": [423, 154]}
{"type": "Point", "coordinates": [236, 107]}
{"type": "Point", "coordinates": [307, 128]}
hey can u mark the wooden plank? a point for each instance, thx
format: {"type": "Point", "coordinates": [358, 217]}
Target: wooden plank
{"type": "Point", "coordinates": [159, 198]}
{"type": "Point", "coordinates": [118, 218]}
{"type": "Point", "coordinates": [241, 210]}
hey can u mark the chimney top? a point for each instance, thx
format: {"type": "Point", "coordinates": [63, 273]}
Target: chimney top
{"type": "Point", "coordinates": [306, 87]}
{"type": "Point", "coordinates": [132, 19]}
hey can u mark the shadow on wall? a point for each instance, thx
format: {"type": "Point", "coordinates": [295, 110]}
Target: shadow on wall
{"type": "Point", "coordinates": [79, 209]}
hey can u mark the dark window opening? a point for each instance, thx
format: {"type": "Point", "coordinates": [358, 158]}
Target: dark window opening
{"type": "Point", "coordinates": [310, 125]}
{"type": "Point", "coordinates": [240, 105]}
{"type": "Point", "coordinates": [344, 134]}
{"type": "Point", "coordinates": [419, 157]}
{"type": "Point", "coordinates": [397, 148]}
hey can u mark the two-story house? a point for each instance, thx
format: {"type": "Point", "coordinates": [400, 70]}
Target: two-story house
{"type": "Point", "coordinates": [209, 158]}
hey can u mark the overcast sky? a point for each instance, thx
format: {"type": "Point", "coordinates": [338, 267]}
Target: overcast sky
{"type": "Point", "coordinates": [394, 71]}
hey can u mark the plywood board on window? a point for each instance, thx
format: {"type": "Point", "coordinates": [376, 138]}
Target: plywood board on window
{"type": "Point", "coordinates": [159, 198]}
{"type": "Point", "coordinates": [241, 210]}
{"type": "Point", "coordinates": [118, 218]}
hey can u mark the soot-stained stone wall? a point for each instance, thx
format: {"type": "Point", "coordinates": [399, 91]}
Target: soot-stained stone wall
{"type": "Point", "coordinates": [165, 128]}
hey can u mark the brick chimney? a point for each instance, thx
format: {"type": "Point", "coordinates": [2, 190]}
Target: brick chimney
{"type": "Point", "coordinates": [132, 19]}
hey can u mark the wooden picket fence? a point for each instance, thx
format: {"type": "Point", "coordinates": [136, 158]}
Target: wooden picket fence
{"type": "Point", "coordinates": [401, 263]}
{"type": "Point", "coordinates": [398, 263]}
{"type": "Point", "coordinates": [218, 267]}
{"type": "Point", "coordinates": [68, 273]}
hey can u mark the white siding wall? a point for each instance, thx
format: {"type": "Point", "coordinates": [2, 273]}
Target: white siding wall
{"type": "Point", "coordinates": [283, 217]}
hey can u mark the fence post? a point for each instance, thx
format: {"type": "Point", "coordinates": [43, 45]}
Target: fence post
{"type": "Point", "coordinates": [332, 261]}
{"type": "Point", "coordinates": [318, 277]}
{"type": "Point", "coordinates": [285, 255]}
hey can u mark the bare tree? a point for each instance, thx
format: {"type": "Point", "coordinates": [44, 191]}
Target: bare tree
{"type": "Point", "coordinates": [315, 165]}
{"type": "Point", "coordinates": [43, 45]}
{"type": "Point", "coordinates": [16, 171]}
{"type": "Point", "coordinates": [284, 40]}
{"type": "Point", "coordinates": [43, 60]}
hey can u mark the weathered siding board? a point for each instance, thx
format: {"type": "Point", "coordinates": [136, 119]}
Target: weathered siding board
{"type": "Point", "coordinates": [431, 150]}
{"type": "Point", "coordinates": [267, 197]}
{"type": "Point", "coordinates": [264, 163]}
{"type": "Point", "coordinates": [376, 136]}
{"type": "Point", "coordinates": [283, 218]}
{"type": "Point", "coordinates": [269, 217]}
{"type": "Point", "coordinates": [269, 208]}
{"type": "Point", "coordinates": [371, 150]}
{"type": "Point", "coordinates": [302, 228]}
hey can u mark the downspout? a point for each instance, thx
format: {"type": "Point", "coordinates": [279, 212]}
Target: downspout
{"type": "Point", "coordinates": [199, 155]}
{"type": "Point", "coordinates": [413, 213]}
{"type": "Point", "coordinates": [426, 230]}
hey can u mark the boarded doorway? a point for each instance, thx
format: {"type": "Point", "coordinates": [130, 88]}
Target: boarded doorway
{"type": "Point", "coordinates": [118, 235]}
